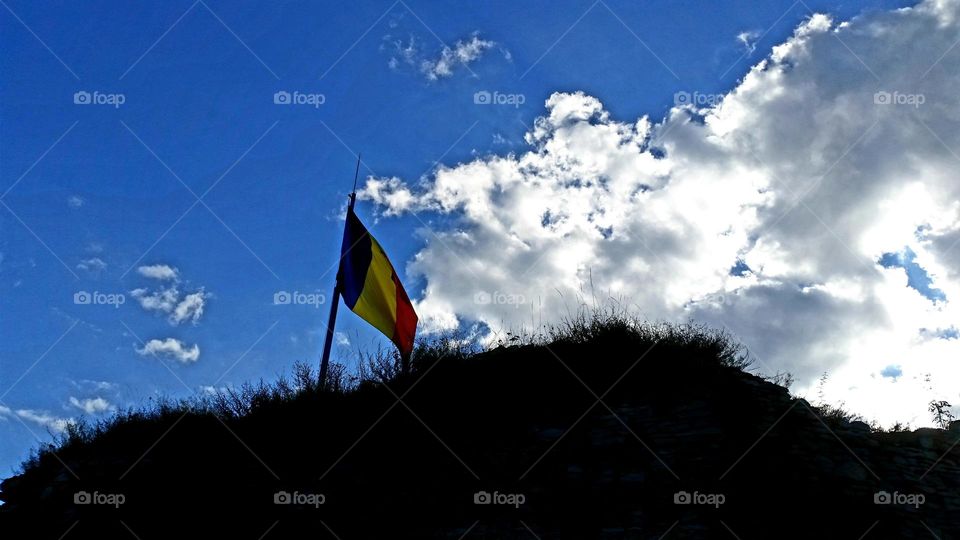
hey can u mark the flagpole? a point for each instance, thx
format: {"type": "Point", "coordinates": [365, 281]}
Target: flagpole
{"type": "Point", "coordinates": [335, 300]}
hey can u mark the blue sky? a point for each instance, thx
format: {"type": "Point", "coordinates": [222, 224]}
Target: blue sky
{"type": "Point", "coordinates": [119, 184]}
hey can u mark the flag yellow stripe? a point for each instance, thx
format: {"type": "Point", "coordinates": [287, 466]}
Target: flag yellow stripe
{"type": "Point", "coordinates": [377, 303]}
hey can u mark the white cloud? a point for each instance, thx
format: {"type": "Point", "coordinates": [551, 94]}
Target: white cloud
{"type": "Point", "coordinates": [410, 52]}
{"type": "Point", "coordinates": [162, 272]}
{"type": "Point", "coordinates": [94, 386]}
{"type": "Point", "coordinates": [190, 308]}
{"type": "Point", "coordinates": [748, 40]}
{"type": "Point", "coordinates": [163, 300]}
{"type": "Point", "coordinates": [341, 339]}
{"type": "Point", "coordinates": [389, 192]}
{"type": "Point", "coordinates": [94, 265]}
{"type": "Point", "coordinates": [75, 201]}
{"type": "Point", "coordinates": [212, 390]}
{"type": "Point", "coordinates": [171, 348]}
{"type": "Point", "coordinates": [54, 423]}
{"type": "Point", "coordinates": [41, 418]}
{"type": "Point", "coordinates": [461, 54]}
{"type": "Point", "coordinates": [168, 299]}
{"type": "Point", "coordinates": [404, 51]}
{"type": "Point", "coordinates": [499, 139]}
{"type": "Point", "coordinates": [797, 173]}
{"type": "Point", "coordinates": [92, 405]}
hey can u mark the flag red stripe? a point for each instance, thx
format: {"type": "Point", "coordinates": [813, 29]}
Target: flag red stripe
{"type": "Point", "coordinates": [406, 325]}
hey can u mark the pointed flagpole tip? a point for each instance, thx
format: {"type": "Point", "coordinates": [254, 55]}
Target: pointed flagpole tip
{"type": "Point", "coordinates": [356, 175]}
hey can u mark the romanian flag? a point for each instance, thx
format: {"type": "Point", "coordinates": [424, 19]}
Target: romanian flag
{"type": "Point", "coordinates": [370, 287]}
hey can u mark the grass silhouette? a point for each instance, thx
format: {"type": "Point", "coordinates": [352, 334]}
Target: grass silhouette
{"type": "Point", "coordinates": [596, 428]}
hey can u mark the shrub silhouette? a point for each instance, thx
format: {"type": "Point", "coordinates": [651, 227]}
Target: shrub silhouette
{"type": "Point", "coordinates": [604, 425]}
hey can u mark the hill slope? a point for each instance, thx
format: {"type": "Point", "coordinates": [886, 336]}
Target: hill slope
{"type": "Point", "coordinates": [598, 434]}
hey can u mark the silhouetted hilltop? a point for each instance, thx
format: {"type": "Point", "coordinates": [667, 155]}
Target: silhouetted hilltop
{"type": "Point", "coordinates": [606, 430]}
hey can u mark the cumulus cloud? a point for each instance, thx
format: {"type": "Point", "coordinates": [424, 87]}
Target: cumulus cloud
{"type": "Point", "coordinates": [75, 201]}
{"type": "Point", "coordinates": [168, 299]}
{"type": "Point", "coordinates": [171, 348]}
{"type": "Point", "coordinates": [161, 272]}
{"type": "Point", "coordinates": [391, 193]}
{"type": "Point", "coordinates": [95, 405]}
{"type": "Point", "coordinates": [767, 213]}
